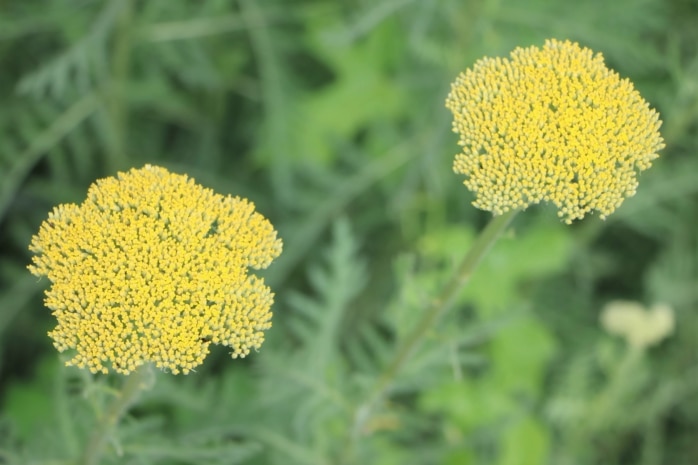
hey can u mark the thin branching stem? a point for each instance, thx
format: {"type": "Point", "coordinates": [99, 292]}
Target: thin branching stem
{"type": "Point", "coordinates": [437, 307]}
{"type": "Point", "coordinates": [135, 384]}
{"type": "Point", "coordinates": [117, 105]}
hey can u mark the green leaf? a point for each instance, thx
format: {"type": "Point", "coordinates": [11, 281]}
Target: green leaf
{"type": "Point", "coordinates": [526, 442]}
{"type": "Point", "coordinates": [28, 404]}
{"type": "Point", "coordinates": [362, 93]}
{"type": "Point", "coordinates": [520, 354]}
{"type": "Point", "coordinates": [467, 405]}
{"type": "Point", "coordinates": [541, 249]}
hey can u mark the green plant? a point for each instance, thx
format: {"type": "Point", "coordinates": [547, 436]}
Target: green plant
{"type": "Point", "coordinates": [329, 116]}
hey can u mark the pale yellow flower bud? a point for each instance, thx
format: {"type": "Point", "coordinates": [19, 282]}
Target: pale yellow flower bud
{"type": "Point", "coordinates": [641, 328]}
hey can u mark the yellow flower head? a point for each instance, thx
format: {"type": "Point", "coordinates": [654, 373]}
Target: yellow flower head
{"type": "Point", "coordinates": [640, 327]}
{"type": "Point", "coordinates": [551, 124]}
{"type": "Point", "coordinates": [152, 267]}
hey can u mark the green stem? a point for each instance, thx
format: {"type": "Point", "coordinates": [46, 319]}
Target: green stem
{"type": "Point", "coordinates": [119, 81]}
{"type": "Point", "coordinates": [601, 411]}
{"type": "Point", "coordinates": [135, 384]}
{"type": "Point", "coordinates": [438, 307]}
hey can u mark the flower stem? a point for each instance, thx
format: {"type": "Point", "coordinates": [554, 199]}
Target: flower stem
{"type": "Point", "coordinates": [117, 108]}
{"type": "Point", "coordinates": [437, 307]}
{"type": "Point", "coordinates": [135, 384]}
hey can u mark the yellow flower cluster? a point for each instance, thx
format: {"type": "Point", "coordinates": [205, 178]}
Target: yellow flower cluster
{"type": "Point", "coordinates": [639, 326]}
{"type": "Point", "coordinates": [551, 124]}
{"type": "Point", "coordinates": [152, 267]}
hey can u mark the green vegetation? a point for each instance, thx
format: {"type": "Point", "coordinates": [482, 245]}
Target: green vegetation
{"type": "Point", "coordinates": [331, 118]}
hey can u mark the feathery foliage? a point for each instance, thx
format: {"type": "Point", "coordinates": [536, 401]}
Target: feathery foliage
{"type": "Point", "coordinates": [330, 117]}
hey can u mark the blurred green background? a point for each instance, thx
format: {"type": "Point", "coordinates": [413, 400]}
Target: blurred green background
{"type": "Point", "coordinates": [330, 117]}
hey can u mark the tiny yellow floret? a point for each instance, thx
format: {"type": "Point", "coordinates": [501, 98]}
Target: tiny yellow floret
{"type": "Point", "coordinates": [554, 125]}
{"type": "Point", "coordinates": [152, 267]}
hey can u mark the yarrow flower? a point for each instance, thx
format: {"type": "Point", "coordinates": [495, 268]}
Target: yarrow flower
{"type": "Point", "coordinates": [551, 124]}
{"type": "Point", "coordinates": [639, 326]}
{"type": "Point", "coordinates": [152, 267]}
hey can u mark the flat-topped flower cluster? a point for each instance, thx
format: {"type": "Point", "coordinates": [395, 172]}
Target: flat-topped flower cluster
{"type": "Point", "coordinates": [152, 267]}
{"type": "Point", "coordinates": [551, 124]}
